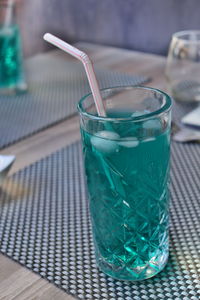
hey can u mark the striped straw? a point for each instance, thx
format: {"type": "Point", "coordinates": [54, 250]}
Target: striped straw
{"type": "Point", "coordinates": [83, 57]}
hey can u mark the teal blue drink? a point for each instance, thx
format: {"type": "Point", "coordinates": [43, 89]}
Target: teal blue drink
{"type": "Point", "coordinates": [126, 159]}
{"type": "Point", "coordinates": [11, 60]}
{"type": "Point", "coordinates": [10, 56]}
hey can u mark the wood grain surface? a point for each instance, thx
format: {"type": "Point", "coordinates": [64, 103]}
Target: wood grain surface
{"type": "Point", "coordinates": [17, 282]}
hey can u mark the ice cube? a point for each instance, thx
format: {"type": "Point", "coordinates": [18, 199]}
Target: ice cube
{"type": "Point", "coordinates": [150, 139]}
{"type": "Point", "coordinates": [152, 124]}
{"type": "Point", "coordinates": [138, 113]}
{"type": "Point", "coordinates": [105, 141]}
{"type": "Point", "coordinates": [129, 142]}
{"type": "Point", "coordinates": [108, 135]}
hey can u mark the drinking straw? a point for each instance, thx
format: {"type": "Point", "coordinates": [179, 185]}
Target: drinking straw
{"type": "Point", "coordinates": [87, 63]}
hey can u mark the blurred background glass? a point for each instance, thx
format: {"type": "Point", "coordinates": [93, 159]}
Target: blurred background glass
{"type": "Point", "coordinates": [183, 66]}
{"type": "Point", "coordinates": [11, 62]}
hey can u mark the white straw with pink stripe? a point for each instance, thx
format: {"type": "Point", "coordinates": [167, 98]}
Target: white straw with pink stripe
{"type": "Point", "coordinates": [87, 65]}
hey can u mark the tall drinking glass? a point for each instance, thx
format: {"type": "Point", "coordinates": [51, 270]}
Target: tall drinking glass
{"type": "Point", "coordinates": [126, 157]}
{"type": "Point", "coordinates": [11, 61]}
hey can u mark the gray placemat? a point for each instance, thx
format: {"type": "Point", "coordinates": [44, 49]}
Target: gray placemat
{"type": "Point", "coordinates": [49, 231]}
{"type": "Point", "coordinates": [54, 88]}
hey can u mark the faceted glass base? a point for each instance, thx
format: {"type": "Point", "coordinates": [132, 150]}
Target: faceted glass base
{"type": "Point", "coordinates": [149, 270]}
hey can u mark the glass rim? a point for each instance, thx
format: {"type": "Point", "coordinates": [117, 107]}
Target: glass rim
{"type": "Point", "coordinates": [165, 108]}
{"type": "Point", "coordinates": [179, 35]}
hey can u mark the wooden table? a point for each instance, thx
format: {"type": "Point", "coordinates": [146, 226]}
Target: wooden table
{"type": "Point", "coordinates": [17, 282]}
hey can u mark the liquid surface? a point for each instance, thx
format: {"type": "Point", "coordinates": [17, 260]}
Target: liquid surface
{"type": "Point", "coordinates": [128, 188]}
{"type": "Point", "coordinates": [10, 56]}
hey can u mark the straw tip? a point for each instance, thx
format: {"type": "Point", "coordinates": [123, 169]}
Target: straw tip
{"type": "Point", "coordinates": [46, 36]}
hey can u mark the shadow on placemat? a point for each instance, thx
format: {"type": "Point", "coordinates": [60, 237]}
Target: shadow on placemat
{"type": "Point", "coordinates": [49, 231]}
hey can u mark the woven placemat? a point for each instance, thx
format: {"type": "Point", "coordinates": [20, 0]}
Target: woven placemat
{"type": "Point", "coordinates": [55, 86]}
{"type": "Point", "coordinates": [48, 230]}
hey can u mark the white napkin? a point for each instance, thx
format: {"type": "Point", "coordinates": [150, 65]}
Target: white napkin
{"type": "Point", "coordinates": [192, 118]}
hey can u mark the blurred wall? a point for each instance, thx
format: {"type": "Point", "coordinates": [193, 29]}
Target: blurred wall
{"type": "Point", "coordinates": [144, 25]}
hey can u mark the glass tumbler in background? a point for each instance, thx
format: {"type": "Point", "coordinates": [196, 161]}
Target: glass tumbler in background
{"type": "Point", "coordinates": [126, 157]}
{"type": "Point", "coordinates": [183, 66]}
{"type": "Point", "coordinates": [11, 59]}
